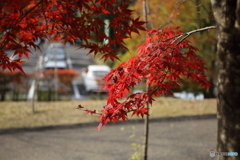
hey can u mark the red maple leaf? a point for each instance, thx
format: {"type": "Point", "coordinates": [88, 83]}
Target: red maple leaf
{"type": "Point", "coordinates": [80, 106]}
{"type": "Point", "coordinates": [90, 111]}
{"type": "Point", "coordinates": [141, 111]}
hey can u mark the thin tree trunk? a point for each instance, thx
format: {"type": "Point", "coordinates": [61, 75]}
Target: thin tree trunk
{"type": "Point", "coordinates": [146, 135]}
{"type": "Point", "coordinates": [146, 120]}
{"type": "Point", "coordinates": [49, 94]}
{"type": "Point", "coordinates": [227, 15]}
{"type": "Point", "coordinates": [2, 97]}
{"type": "Point", "coordinates": [36, 79]}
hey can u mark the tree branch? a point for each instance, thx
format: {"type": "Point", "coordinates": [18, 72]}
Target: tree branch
{"type": "Point", "coordinates": [183, 36]}
{"type": "Point", "coordinates": [30, 10]}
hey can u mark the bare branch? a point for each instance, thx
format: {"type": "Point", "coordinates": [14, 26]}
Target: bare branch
{"type": "Point", "coordinates": [183, 36]}
{"type": "Point", "coordinates": [195, 31]}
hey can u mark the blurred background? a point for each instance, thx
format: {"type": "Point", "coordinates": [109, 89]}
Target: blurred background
{"type": "Point", "coordinates": [61, 72]}
{"type": "Point", "coordinates": [61, 76]}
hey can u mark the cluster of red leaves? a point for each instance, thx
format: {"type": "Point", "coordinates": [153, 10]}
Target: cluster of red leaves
{"type": "Point", "coordinates": [23, 21]}
{"type": "Point", "coordinates": [162, 62]}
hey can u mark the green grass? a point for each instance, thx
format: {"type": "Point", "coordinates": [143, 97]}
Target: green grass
{"type": "Point", "coordinates": [19, 114]}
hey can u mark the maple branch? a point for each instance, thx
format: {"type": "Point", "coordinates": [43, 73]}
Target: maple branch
{"type": "Point", "coordinates": [195, 31]}
{"type": "Point", "coordinates": [30, 10]}
{"type": "Point", "coordinates": [44, 15]}
{"type": "Point", "coordinates": [188, 34]}
{"type": "Point", "coordinates": [94, 112]}
{"type": "Point", "coordinates": [85, 109]}
{"type": "Point", "coordinates": [20, 19]}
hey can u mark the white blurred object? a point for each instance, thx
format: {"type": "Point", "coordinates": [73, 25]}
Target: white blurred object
{"type": "Point", "coordinates": [56, 57]}
{"type": "Point", "coordinates": [185, 95]}
{"type": "Point", "coordinates": [92, 77]}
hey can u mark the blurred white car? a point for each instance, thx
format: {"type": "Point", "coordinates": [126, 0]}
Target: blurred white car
{"type": "Point", "coordinates": [92, 77]}
{"type": "Point", "coordinates": [55, 57]}
{"type": "Point", "coordinates": [56, 45]}
{"type": "Point", "coordinates": [55, 54]}
{"type": "Point", "coordinates": [56, 64]}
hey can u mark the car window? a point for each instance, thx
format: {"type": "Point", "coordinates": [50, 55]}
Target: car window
{"type": "Point", "coordinates": [58, 53]}
{"type": "Point", "coordinates": [56, 45]}
{"type": "Point", "coordinates": [99, 74]}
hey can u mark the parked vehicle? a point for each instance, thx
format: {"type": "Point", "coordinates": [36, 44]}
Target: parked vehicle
{"type": "Point", "coordinates": [56, 64]}
{"type": "Point", "coordinates": [56, 45]}
{"type": "Point", "coordinates": [55, 57]}
{"type": "Point", "coordinates": [92, 77]}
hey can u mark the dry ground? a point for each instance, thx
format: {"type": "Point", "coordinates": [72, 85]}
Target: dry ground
{"type": "Point", "coordinates": [19, 114]}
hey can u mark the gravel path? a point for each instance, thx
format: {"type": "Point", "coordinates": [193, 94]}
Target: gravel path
{"type": "Point", "coordinates": [173, 140]}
